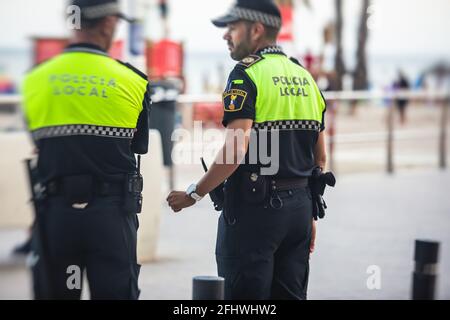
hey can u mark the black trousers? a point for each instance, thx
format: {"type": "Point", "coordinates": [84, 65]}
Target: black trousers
{"type": "Point", "coordinates": [99, 240]}
{"type": "Point", "coordinates": [264, 254]}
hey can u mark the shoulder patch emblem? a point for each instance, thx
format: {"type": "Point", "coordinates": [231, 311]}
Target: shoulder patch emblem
{"type": "Point", "coordinates": [233, 100]}
{"type": "Point", "coordinates": [250, 60]}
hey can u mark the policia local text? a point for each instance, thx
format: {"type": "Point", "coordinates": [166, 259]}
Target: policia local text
{"type": "Point", "coordinates": [81, 85]}
{"type": "Point", "coordinates": [298, 82]}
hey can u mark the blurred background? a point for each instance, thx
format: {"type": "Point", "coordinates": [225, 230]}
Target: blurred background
{"type": "Point", "coordinates": [384, 67]}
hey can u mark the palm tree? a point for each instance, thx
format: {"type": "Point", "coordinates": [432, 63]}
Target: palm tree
{"type": "Point", "coordinates": [360, 81]}
{"type": "Point", "coordinates": [339, 59]}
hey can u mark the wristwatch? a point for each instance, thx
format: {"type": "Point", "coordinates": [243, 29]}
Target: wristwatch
{"type": "Point", "coordinates": [192, 192]}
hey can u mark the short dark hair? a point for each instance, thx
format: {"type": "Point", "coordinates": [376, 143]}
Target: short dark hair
{"type": "Point", "coordinates": [87, 24]}
{"type": "Point", "coordinates": [272, 32]}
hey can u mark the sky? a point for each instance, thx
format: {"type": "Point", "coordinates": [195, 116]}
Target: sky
{"type": "Point", "coordinates": [400, 26]}
{"type": "Point", "coordinates": [410, 35]}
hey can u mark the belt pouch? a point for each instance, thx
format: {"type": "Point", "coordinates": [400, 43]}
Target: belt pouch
{"type": "Point", "coordinates": [253, 188]}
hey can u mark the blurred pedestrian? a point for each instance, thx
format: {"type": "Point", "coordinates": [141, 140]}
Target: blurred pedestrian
{"type": "Point", "coordinates": [402, 84]}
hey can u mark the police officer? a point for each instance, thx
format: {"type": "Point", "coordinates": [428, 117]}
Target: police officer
{"type": "Point", "coordinates": [88, 116]}
{"type": "Point", "coordinates": [266, 231]}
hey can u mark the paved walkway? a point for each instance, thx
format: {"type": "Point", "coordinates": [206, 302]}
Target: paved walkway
{"type": "Point", "coordinates": [373, 220]}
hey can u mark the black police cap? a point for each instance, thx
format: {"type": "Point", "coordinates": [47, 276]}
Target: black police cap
{"type": "Point", "coordinates": [264, 11]}
{"type": "Point", "coordinates": [96, 9]}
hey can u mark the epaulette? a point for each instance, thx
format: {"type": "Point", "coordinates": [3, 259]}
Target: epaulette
{"type": "Point", "coordinates": [250, 60]}
{"type": "Point", "coordinates": [133, 68]}
{"type": "Point", "coordinates": [294, 60]}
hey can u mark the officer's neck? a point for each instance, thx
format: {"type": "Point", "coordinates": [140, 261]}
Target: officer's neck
{"type": "Point", "coordinates": [92, 38]}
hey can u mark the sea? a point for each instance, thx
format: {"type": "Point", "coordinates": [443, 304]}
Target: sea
{"type": "Point", "coordinates": [207, 71]}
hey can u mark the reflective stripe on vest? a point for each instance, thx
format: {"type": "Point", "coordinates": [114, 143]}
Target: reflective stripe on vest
{"type": "Point", "coordinates": [82, 130]}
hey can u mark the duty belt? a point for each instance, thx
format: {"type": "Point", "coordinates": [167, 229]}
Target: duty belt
{"type": "Point", "coordinates": [287, 184]}
{"type": "Point", "coordinates": [99, 188]}
{"type": "Point", "coordinates": [275, 200]}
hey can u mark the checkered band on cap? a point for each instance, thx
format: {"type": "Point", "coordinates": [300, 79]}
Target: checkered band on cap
{"type": "Point", "coordinates": [101, 10]}
{"type": "Point", "coordinates": [288, 125]}
{"type": "Point", "coordinates": [256, 16]}
{"type": "Point", "coordinates": [82, 130]}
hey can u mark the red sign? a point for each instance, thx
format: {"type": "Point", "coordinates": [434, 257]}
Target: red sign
{"type": "Point", "coordinates": [116, 51]}
{"type": "Point", "coordinates": [165, 59]}
{"type": "Point", "coordinates": [209, 113]}
{"type": "Point", "coordinates": [47, 48]}
{"type": "Point", "coordinates": [287, 15]}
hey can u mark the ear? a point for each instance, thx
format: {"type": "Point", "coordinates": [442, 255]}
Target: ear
{"type": "Point", "coordinates": [106, 30]}
{"type": "Point", "coordinates": [109, 23]}
{"type": "Point", "coordinates": [258, 31]}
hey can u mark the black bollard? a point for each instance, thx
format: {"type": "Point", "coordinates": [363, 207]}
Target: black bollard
{"type": "Point", "coordinates": [208, 288]}
{"type": "Point", "coordinates": [425, 272]}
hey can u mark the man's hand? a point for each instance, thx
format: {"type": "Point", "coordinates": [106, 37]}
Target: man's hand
{"type": "Point", "coordinates": [313, 237]}
{"type": "Point", "coordinates": [179, 200]}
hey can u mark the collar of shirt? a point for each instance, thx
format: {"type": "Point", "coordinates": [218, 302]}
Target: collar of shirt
{"type": "Point", "coordinates": [270, 50]}
{"type": "Point", "coordinates": [85, 47]}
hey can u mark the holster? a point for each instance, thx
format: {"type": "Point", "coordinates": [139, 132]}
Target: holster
{"type": "Point", "coordinates": [218, 194]}
{"type": "Point", "coordinates": [230, 202]}
{"type": "Point", "coordinates": [317, 184]}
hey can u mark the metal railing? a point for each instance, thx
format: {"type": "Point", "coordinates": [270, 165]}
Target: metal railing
{"type": "Point", "coordinates": [439, 97]}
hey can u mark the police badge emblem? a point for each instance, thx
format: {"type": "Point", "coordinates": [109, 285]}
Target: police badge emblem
{"type": "Point", "coordinates": [233, 100]}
